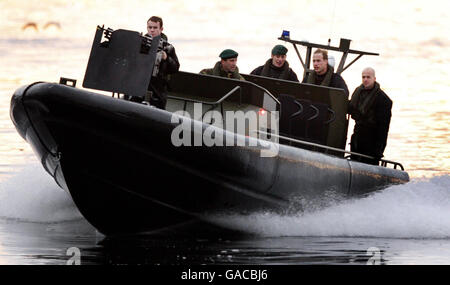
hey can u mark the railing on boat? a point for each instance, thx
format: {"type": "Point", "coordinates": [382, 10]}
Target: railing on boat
{"type": "Point", "coordinates": [384, 162]}
{"type": "Point", "coordinates": [212, 104]}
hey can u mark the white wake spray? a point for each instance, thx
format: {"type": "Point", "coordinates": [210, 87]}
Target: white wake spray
{"type": "Point", "coordinates": [33, 196]}
{"type": "Point", "coordinates": [419, 209]}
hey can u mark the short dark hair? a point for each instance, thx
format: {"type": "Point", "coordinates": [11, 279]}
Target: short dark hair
{"type": "Point", "coordinates": [156, 19]}
{"type": "Point", "coordinates": [324, 53]}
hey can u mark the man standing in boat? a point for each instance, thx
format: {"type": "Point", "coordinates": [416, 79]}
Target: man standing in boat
{"type": "Point", "coordinates": [277, 66]}
{"type": "Point", "coordinates": [226, 67]}
{"type": "Point", "coordinates": [323, 73]}
{"type": "Point", "coordinates": [166, 63]}
{"type": "Point", "coordinates": [371, 108]}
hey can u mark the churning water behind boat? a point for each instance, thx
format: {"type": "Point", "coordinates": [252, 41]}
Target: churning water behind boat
{"type": "Point", "coordinates": [419, 209]}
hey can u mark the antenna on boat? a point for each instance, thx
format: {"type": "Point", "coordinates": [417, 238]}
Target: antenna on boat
{"type": "Point", "coordinates": [332, 23]}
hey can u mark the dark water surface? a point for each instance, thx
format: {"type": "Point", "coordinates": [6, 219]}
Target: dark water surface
{"type": "Point", "coordinates": [37, 243]}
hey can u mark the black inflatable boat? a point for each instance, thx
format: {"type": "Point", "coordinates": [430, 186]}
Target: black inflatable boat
{"type": "Point", "coordinates": [124, 166]}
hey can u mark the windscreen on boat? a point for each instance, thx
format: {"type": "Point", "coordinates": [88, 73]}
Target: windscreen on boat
{"type": "Point", "coordinates": [226, 96]}
{"type": "Point", "coordinates": [310, 113]}
{"type": "Point", "coordinates": [213, 88]}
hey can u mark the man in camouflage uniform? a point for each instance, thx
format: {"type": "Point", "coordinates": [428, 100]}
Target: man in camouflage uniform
{"type": "Point", "coordinates": [226, 67]}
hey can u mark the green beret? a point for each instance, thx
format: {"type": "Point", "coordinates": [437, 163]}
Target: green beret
{"type": "Point", "coordinates": [279, 50]}
{"type": "Point", "coordinates": [228, 53]}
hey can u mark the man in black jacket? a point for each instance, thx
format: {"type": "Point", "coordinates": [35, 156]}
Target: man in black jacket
{"type": "Point", "coordinates": [371, 108]}
{"type": "Point", "coordinates": [166, 63]}
{"type": "Point", "coordinates": [323, 73]}
{"type": "Point", "coordinates": [277, 66]}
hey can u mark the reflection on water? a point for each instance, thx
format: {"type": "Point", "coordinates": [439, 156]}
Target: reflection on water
{"type": "Point", "coordinates": [44, 243]}
{"type": "Point", "coordinates": [413, 70]}
{"type": "Point", "coordinates": [36, 243]}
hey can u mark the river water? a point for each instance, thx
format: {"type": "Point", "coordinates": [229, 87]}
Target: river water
{"type": "Point", "coordinates": [403, 224]}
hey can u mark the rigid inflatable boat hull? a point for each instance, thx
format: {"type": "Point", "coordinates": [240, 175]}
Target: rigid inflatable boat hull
{"type": "Point", "coordinates": [117, 161]}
